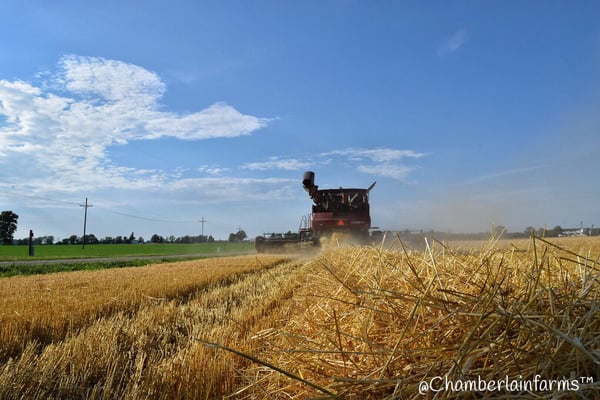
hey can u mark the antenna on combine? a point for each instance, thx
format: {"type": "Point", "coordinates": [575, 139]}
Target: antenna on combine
{"type": "Point", "coordinates": [371, 187]}
{"type": "Point", "coordinates": [86, 205]}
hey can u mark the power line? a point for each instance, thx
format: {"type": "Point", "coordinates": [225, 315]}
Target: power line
{"type": "Point", "coordinates": [147, 218]}
{"type": "Point", "coordinates": [106, 209]}
{"type": "Point", "coordinates": [18, 194]}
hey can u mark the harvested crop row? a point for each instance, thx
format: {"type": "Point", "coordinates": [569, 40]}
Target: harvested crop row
{"type": "Point", "coordinates": [47, 308]}
{"type": "Point", "coordinates": [156, 352]}
{"type": "Point", "coordinates": [371, 323]}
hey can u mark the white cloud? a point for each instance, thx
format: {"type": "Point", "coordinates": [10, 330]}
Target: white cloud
{"type": "Point", "coordinates": [384, 162]}
{"type": "Point", "coordinates": [212, 170]}
{"type": "Point", "coordinates": [57, 135]}
{"type": "Point", "coordinates": [376, 154]}
{"type": "Point", "coordinates": [394, 171]}
{"type": "Point", "coordinates": [218, 120]}
{"type": "Point", "coordinates": [110, 80]}
{"type": "Point", "coordinates": [380, 161]}
{"type": "Point", "coordinates": [453, 43]}
{"type": "Point", "coordinates": [226, 189]}
{"type": "Point", "coordinates": [290, 164]}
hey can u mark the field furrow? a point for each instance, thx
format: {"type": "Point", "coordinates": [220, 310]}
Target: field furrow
{"type": "Point", "coordinates": [48, 308]}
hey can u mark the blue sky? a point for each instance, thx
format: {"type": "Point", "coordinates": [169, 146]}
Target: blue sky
{"type": "Point", "coordinates": [467, 114]}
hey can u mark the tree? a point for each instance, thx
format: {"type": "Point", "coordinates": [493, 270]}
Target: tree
{"type": "Point", "coordinates": [556, 231]}
{"type": "Point", "coordinates": [157, 238]}
{"type": "Point", "coordinates": [237, 237]}
{"type": "Point", "coordinates": [91, 239]}
{"type": "Point", "coordinates": [8, 226]}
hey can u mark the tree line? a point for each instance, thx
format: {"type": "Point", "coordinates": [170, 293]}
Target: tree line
{"type": "Point", "coordinates": [126, 239]}
{"type": "Point", "coordinates": [501, 231]}
{"type": "Point", "coordinates": [9, 220]}
{"type": "Point", "coordinates": [131, 239]}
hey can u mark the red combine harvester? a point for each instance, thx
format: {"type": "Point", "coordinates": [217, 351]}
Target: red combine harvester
{"type": "Point", "coordinates": [340, 210]}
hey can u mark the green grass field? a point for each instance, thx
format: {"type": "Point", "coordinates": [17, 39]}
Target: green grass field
{"type": "Point", "coordinates": [57, 252]}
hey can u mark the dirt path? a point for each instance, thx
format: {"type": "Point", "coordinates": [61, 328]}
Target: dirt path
{"type": "Point", "coordinates": [123, 258]}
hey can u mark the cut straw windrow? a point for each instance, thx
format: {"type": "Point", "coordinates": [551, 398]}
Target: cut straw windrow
{"type": "Point", "coordinates": [410, 316]}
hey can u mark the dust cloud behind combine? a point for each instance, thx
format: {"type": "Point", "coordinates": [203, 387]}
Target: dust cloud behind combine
{"type": "Point", "coordinates": [547, 180]}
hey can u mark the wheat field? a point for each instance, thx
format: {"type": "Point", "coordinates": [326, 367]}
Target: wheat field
{"type": "Point", "coordinates": [131, 332]}
{"type": "Point", "coordinates": [352, 322]}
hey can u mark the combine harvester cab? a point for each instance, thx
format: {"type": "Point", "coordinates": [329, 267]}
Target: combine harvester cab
{"type": "Point", "coordinates": [343, 211]}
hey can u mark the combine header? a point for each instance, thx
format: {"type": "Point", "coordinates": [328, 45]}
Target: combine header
{"type": "Point", "coordinates": [340, 210]}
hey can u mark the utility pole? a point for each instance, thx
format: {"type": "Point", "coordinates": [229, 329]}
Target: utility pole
{"type": "Point", "coordinates": [31, 251]}
{"type": "Point", "coordinates": [86, 205]}
{"type": "Point", "coordinates": [203, 221]}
